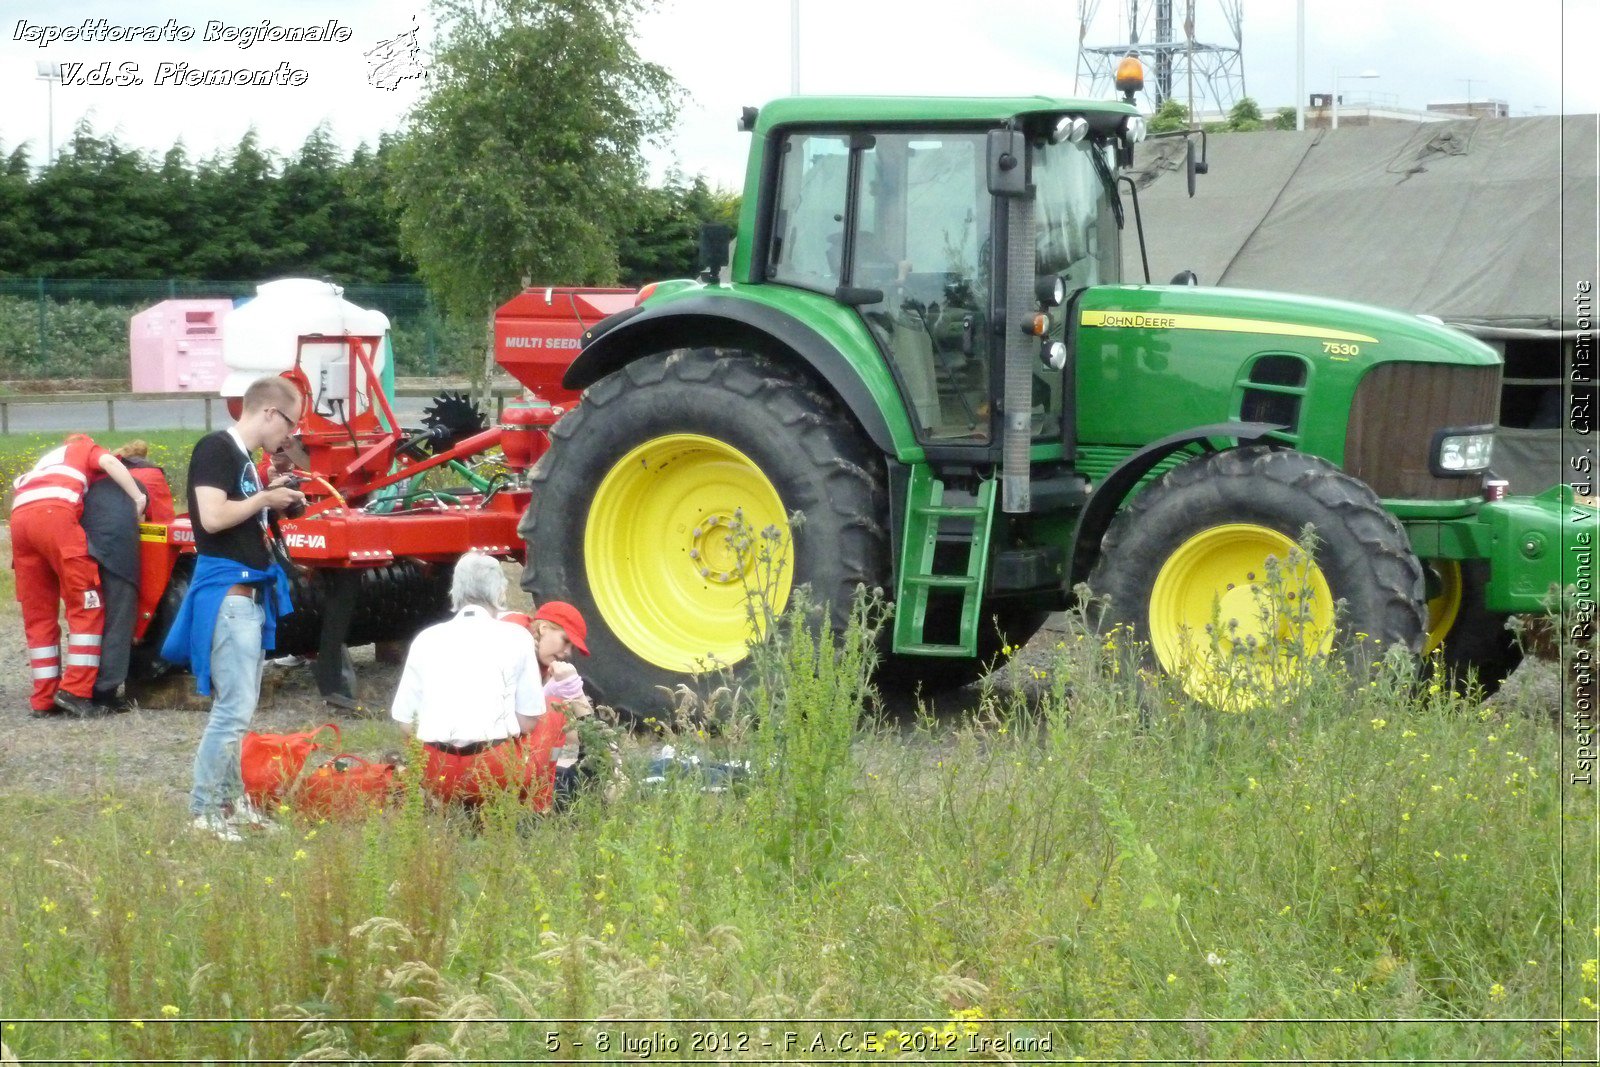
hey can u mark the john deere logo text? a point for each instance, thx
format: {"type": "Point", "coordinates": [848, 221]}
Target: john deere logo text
{"type": "Point", "coordinates": [1148, 322]}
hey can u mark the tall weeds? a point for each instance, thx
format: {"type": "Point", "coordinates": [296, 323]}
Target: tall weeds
{"type": "Point", "coordinates": [1150, 877]}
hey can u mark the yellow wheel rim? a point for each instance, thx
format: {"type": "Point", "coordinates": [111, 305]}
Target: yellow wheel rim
{"type": "Point", "coordinates": [1237, 612]}
{"type": "Point", "coordinates": [1444, 607]}
{"type": "Point", "coordinates": [681, 533]}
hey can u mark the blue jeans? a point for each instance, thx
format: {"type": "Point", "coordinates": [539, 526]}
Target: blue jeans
{"type": "Point", "coordinates": [235, 688]}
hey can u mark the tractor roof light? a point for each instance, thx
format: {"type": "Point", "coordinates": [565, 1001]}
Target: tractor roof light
{"type": "Point", "coordinates": [1071, 128]}
{"type": "Point", "coordinates": [1133, 129]}
{"type": "Point", "coordinates": [1130, 76]}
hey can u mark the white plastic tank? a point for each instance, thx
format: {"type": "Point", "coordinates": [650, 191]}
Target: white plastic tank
{"type": "Point", "coordinates": [260, 337]}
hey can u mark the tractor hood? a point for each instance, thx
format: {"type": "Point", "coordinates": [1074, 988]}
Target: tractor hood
{"type": "Point", "coordinates": [1156, 360]}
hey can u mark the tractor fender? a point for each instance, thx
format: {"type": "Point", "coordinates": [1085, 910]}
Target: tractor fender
{"type": "Point", "coordinates": [1115, 487]}
{"type": "Point", "coordinates": [713, 322]}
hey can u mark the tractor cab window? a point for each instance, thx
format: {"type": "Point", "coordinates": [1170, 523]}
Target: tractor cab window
{"type": "Point", "coordinates": [921, 237]}
{"type": "Point", "coordinates": [808, 229]}
{"type": "Point", "coordinates": [1077, 230]}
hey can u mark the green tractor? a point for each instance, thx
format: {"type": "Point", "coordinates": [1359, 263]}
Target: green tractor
{"type": "Point", "coordinates": [925, 347]}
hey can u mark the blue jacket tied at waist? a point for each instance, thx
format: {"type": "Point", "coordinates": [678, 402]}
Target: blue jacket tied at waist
{"type": "Point", "coordinates": [188, 643]}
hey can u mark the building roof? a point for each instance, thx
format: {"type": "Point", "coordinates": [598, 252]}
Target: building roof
{"type": "Point", "coordinates": [1489, 223]}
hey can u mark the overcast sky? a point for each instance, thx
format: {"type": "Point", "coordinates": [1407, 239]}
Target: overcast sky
{"type": "Point", "coordinates": [729, 53]}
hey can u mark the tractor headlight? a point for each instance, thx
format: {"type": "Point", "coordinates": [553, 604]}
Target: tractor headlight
{"type": "Point", "coordinates": [1054, 355]}
{"type": "Point", "coordinates": [1463, 451]}
{"type": "Point", "coordinates": [1133, 129]}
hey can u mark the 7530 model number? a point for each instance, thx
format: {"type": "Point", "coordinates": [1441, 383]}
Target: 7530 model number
{"type": "Point", "coordinates": [1339, 348]}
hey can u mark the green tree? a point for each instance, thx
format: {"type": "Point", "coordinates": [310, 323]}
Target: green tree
{"type": "Point", "coordinates": [524, 157]}
{"type": "Point", "coordinates": [1171, 115]}
{"type": "Point", "coordinates": [1285, 119]}
{"type": "Point", "coordinates": [1245, 116]}
{"type": "Point", "coordinates": [237, 196]}
{"type": "Point", "coordinates": [95, 207]}
{"type": "Point", "coordinates": [366, 242]}
{"type": "Point", "coordinates": [308, 194]}
{"type": "Point", "coordinates": [18, 232]}
{"type": "Point", "coordinates": [664, 240]}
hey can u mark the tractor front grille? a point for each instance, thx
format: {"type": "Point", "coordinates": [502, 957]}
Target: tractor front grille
{"type": "Point", "coordinates": [1398, 408]}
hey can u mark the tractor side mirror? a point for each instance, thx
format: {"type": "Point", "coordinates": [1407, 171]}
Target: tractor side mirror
{"type": "Point", "coordinates": [1008, 163]}
{"type": "Point", "coordinates": [1194, 166]}
{"type": "Point", "coordinates": [714, 240]}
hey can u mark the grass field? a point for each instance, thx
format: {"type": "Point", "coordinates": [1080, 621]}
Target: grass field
{"type": "Point", "coordinates": [1370, 870]}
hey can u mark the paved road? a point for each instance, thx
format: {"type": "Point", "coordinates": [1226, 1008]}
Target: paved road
{"type": "Point", "coordinates": [184, 413]}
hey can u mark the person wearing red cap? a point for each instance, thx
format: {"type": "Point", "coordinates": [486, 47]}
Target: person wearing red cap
{"type": "Point", "coordinates": [557, 629]}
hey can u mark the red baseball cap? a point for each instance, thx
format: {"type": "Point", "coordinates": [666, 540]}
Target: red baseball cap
{"type": "Point", "coordinates": [567, 617]}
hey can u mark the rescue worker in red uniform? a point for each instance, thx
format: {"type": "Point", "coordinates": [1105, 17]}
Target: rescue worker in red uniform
{"type": "Point", "coordinates": [50, 555]}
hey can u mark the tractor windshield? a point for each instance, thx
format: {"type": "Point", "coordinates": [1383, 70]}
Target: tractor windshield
{"type": "Point", "coordinates": [1077, 224]}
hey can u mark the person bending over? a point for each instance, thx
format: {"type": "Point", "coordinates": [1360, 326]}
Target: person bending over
{"type": "Point", "coordinates": [50, 554]}
{"type": "Point", "coordinates": [470, 691]}
{"type": "Point", "coordinates": [112, 526]}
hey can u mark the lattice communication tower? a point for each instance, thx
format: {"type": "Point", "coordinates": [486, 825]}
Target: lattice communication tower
{"type": "Point", "coordinates": [1175, 65]}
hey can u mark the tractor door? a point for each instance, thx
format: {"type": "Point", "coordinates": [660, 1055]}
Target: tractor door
{"type": "Point", "coordinates": [899, 225]}
{"type": "Point", "coordinates": [921, 224]}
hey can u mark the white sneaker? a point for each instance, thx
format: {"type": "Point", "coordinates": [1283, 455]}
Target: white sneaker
{"type": "Point", "coordinates": [215, 825]}
{"type": "Point", "coordinates": [246, 816]}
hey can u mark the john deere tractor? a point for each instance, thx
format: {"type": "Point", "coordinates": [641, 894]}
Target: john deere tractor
{"type": "Point", "coordinates": [924, 347]}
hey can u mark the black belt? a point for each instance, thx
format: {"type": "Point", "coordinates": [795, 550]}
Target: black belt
{"type": "Point", "coordinates": [465, 750]}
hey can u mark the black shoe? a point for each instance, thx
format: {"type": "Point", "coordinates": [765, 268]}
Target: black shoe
{"type": "Point", "coordinates": [46, 713]}
{"type": "Point", "coordinates": [115, 704]}
{"type": "Point", "coordinates": [79, 707]}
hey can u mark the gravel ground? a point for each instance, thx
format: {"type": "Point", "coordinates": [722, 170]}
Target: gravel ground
{"type": "Point", "coordinates": [154, 746]}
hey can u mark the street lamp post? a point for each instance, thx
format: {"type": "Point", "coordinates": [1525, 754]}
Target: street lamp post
{"type": "Point", "coordinates": [1336, 77]}
{"type": "Point", "coordinates": [1300, 67]}
{"type": "Point", "coordinates": [49, 73]}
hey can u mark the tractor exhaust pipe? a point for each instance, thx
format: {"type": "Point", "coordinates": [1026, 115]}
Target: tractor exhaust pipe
{"type": "Point", "coordinates": [1008, 177]}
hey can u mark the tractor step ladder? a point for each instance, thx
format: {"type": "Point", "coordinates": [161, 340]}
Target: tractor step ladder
{"type": "Point", "coordinates": [925, 510]}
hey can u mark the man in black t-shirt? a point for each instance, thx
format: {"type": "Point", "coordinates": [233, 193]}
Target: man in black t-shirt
{"type": "Point", "coordinates": [229, 615]}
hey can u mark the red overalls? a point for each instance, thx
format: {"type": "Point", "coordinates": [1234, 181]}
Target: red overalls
{"type": "Point", "coordinates": [51, 557]}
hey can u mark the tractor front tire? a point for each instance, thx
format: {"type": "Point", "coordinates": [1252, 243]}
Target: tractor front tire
{"type": "Point", "coordinates": [665, 500]}
{"type": "Point", "coordinates": [1473, 643]}
{"type": "Point", "coordinates": [1184, 566]}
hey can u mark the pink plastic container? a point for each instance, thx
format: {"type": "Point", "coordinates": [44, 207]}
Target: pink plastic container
{"type": "Point", "coordinates": [176, 346]}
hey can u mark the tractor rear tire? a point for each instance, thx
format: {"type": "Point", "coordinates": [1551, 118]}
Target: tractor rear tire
{"type": "Point", "coordinates": [1194, 545]}
{"type": "Point", "coordinates": [1473, 642]}
{"type": "Point", "coordinates": [648, 479]}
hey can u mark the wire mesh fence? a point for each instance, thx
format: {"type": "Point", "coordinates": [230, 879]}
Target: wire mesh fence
{"type": "Point", "coordinates": [66, 328]}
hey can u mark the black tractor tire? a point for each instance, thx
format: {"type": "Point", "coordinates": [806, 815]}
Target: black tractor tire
{"type": "Point", "coordinates": [393, 603]}
{"type": "Point", "coordinates": [1478, 644]}
{"type": "Point", "coordinates": [799, 437]}
{"type": "Point", "coordinates": [1362, 550]}
{"type": "Point", "coordinates": [144, 658]}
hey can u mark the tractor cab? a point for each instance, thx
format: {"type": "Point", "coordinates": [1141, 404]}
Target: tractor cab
{"type": "Point", "coordinates": [912, 224]}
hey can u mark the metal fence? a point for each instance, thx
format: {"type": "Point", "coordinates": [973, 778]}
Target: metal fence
{"type": "Point", "coordinates": [61, 328]}
{"type": "Point", "coordinates": [90, 412]}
